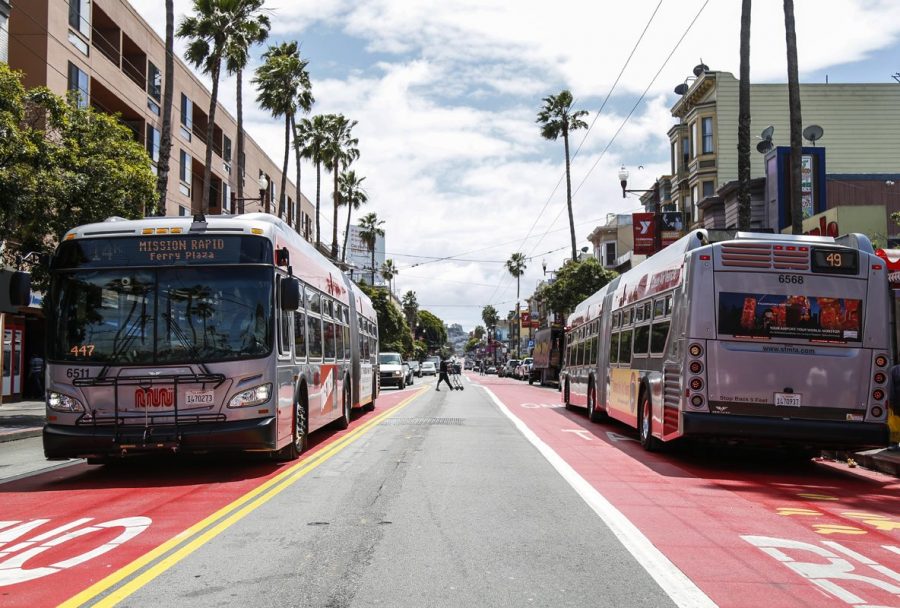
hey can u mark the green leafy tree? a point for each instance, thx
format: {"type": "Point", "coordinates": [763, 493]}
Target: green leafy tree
{"type": "Point", "coordinates": [310, 136]}
{"type": "Point", "coordinates": [489, 316]}
{"type": "Point", "coordinates": [370, 230]}
{"type": "Point", "coordinates": [278, 79]}
{"type": "Point", "coordinates": [557, 118]}
{"type": "Point", "coordinates": [574, 282]}
{"type": "Point", "coordinates": [354, 197]}
{"type": "Point", "coordinates": [433, 330]}
{"type": "Point", "coordinates": [410, 304]}
{"type": "Point", "coordinates": [62, 165]}
{"type": "Point", "coordinates": [252, 30]}
{"type": "Point", "coordinates": [210, 31]}
{"type": "Point", "coordinates": [393, 332]}
{"type": "Point", "coordinates": [478, 332]}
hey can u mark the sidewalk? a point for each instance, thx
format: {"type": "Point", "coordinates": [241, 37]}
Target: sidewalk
{"type": "Point", "coordinates": [21, 420]}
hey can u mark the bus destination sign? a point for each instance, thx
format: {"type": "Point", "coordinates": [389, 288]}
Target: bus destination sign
{"type": "Point", "coordinates": [835, 261]}
{"type": "Point", "coordinates": [163, 251]}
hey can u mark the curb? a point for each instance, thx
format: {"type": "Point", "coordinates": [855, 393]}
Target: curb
{"type": "Point", "coordinates": [889, 466]}
{"type": "Point", "coordinates": [20, 434]}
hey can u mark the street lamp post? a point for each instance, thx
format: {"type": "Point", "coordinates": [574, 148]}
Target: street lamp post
{"type": "Point", "coordinates": [263, 183]}
{"type": "Point", "coordinates": [623, 181]}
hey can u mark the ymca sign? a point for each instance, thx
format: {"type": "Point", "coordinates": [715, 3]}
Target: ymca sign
{"type": "Point", "coordinates": [643, 226]}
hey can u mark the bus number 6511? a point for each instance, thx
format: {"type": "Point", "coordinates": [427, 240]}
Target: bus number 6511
{"type": "Point", "coordinates": [796, 279]}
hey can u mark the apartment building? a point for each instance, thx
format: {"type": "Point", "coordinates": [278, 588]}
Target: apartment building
{"type": "Point", "coordinates": [4, 30]}
{"type": "Point", "coordinates": [104, 50]}
{"type": "Point", "coordinates": [859, 123]}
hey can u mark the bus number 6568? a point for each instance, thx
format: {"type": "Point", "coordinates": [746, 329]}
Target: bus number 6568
{"type": "Point", "coordinates": [796, 279]}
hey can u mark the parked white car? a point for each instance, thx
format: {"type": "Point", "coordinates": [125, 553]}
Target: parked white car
{"type": "Point", "coordinates": [428, 369]}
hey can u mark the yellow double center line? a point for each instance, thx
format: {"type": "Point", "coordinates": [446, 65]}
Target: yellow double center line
{"type": "Point", "coordinates": [202, 532]}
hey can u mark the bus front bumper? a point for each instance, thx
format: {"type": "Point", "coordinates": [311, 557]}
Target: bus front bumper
{"type": "Point", "coordinates": [100, 441]}
{"type": "Point", "coordinates": [754, 429]}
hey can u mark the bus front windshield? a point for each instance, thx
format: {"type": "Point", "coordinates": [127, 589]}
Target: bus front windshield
{"type": "Point", "coordinates": [161, 316]}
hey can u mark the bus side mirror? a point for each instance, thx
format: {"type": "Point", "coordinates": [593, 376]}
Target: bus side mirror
{"type": "Point", "coordinates": [15, 290]}
{"type": "Point", "coordinates": [290, 294]}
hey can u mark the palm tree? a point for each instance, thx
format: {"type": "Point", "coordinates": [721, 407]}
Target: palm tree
{"type": "Point", "coordinates": [354, 197]}
{"type": "Point", "coordinates": [254, 29]}
{"type": "Point", "coordinates": [339, 151]}
{"type": "Point", "coordinates": [211, 29]}
{"type": "Point", "coordinates": [165, 140]}
{"type": "Point", "coordinates": [744, 122]}
{"type": "Point", "coordinates": [310, 138]}
{"type": "Point", "coordinates": [557, 118]}
{"type": "Point", "coordinates": [515, 265]}
{"type": "Point", "coordinates": [490, 317]}
{"type": "Point", "coordinates": [410, 304]}
{"type": "Point", "coordinates": [795, 118]}
{"type": "Point", "coordinates": [278, 79]}
{"type": "Point", "coordinates": [370, 230]}
{"type": "Point", "coordinates": [388, 272]}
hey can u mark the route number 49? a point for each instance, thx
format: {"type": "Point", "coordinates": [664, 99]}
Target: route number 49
{"type": "Point", "coordinates": [796, 279]}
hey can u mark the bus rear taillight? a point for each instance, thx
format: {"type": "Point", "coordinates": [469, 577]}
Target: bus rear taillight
{"type": "Point", "coordinates": [696, 384]}
{"type": "Point", "coordinates": [878, 394]}
{"type": "Point", "coordinates": [696, 350]}
{"type": "Point", "coordinates": [881, 361]}
{"type": "Point", "coordinates": [880, 378]}
{"type": "Point", "coordinates": [877, 411]}
{"type": "Point", "coordinates": [697, 401]}
{"type": "Point", "coordinates": [696, 367]}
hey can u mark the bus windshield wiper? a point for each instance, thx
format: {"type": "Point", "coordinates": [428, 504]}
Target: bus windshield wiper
{"type": "Point", "coordinates": [130, 334]}
{"type": "Point", "coordinates": [189, 345]}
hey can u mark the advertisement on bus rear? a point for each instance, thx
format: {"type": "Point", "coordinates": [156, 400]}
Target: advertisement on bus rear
{"type": "Point", "coordinates": [755, 315]}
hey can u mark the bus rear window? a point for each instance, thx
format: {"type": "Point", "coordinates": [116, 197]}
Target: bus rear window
{"type": "Point", "coordinates": [790, 316]}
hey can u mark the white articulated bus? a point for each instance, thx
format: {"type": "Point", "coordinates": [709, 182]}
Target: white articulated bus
{"type": "Point", "coordinates": [760, 338]}
{"type": "Point", "coordinates": [227, 333]}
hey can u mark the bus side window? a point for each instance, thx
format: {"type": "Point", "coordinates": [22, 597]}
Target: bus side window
{"type": "Point", "coordinates": [638, 314]}
{"type": "Point", "coordinates": [647, 306]}
{"type": "Point", "coordinates": [315, 302]}
{"type": "Point", "coordinates": [299, 336]}
{"type": "Point", "coordinates": [614, 347]}
{"type": "Point", "coordinates": [668, 304]}
{"type": "Point", "coordinates": [641, 339]}
{"type": "Point", "coordinates": [658, 337]}
{"type": "Point", "coordinates": [315, 337]}
{"type": "Point", "coordinates": [346, 331]}
{"type": "Point", "coordinates": [615, 319]}
{"type": "Point", "coordinates": [595, 342]}
{"type": "Point", "coordinates": [625, 347]}
{"type": "Point", "coordinates": [328, 327]}
{"type": "Point", "coordinates": [372, 350]}
{"type": "Point", "coordinates": [284, 324]}
{"type": "Point", "coordinates": [659, 308]}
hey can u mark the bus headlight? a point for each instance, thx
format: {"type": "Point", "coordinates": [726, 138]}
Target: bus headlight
{"type": "Point", "coordinates": [252, 396]}
{"type": "Point", "coordinates": [59, 402]}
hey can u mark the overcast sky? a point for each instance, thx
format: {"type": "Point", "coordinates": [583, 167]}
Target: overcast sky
{"type": "Point", "coordinates": [446, 93]}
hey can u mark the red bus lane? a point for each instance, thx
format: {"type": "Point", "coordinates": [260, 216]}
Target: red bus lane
{"type": "Point", "coordinates": [65, 530]}
{"type": "Point", "coordinates": [744, 530]}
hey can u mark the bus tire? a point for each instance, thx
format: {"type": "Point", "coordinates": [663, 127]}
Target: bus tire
{"type": "Point", "coordinates": [300, 430]}
{"type": "Point", "coordinates": [594, 414]}
{"type": "Point", "coordinates": [645, 423]}
{"type": "Point", "coordinates": [566, 396]}
{"type": "Point", "coordinates": [530, 378]}
{"type": "Point", "coordinates": [344, 421]}
{"type": "Point", "coordinates": [371, 404]}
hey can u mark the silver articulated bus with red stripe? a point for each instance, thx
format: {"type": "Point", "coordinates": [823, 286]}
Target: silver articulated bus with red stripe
{"type": "Point", "coordinates": [225, 333]}
{"type": "Point", "coordinates": [760, 338]}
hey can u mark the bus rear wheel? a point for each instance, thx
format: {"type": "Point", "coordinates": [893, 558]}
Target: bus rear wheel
{"type": "Point", "coordinates": [566, 395]}
{"type": "Point", "coordinates": [594, 414]}
{"type": "Point", "coordinates": [344, 421]}
{"type": "Point", "coordinates": [645, 422]}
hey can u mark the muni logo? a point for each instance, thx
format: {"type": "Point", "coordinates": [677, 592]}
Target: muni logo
{"type": "Point", "coordinates": [153, 397]}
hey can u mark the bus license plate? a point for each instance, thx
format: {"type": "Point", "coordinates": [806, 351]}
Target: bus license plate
{"type": "Point", "coordinates": [788, 399]}
{"type": "Point", "coordinates": [199, 397]}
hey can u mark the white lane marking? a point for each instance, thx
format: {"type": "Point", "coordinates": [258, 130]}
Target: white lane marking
{"type": "Point", "coordinates": [583, 433]}
{"type": "Point", "coordinates": [673, 581]}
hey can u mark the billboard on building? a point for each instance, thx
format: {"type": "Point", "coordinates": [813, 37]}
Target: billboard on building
{"type": "Point", "coordinates": [671, 227]}
{"type": "Point", "coordinates": [359, 257]}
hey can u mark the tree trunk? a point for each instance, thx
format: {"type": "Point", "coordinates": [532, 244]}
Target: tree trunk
{"type": "Point", "coordinates": [210, 129]}
{"type": "Point", "coordinates": [346, 233]}
{"type": "Point", "coordinates": [240, 142]}
{"type": "Point", "coordinates": [318, 199]}
{"type": "Point", "coordinates": [282, 200]}
{"type": "Point", "coordinates": [372, 250]}
{"type": "Point", "coordinates": [165, 140]}
{"type": "Point", "coordinates": [744, 212]}
{"type": "Point", "coordinates": [569, 193]}
{"type": "Point", "coordinates": [337, 202]}
{"type": "Point", "coordinates": [795, 118]}
{"type": "Point", "coordinates": [298, 218]}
